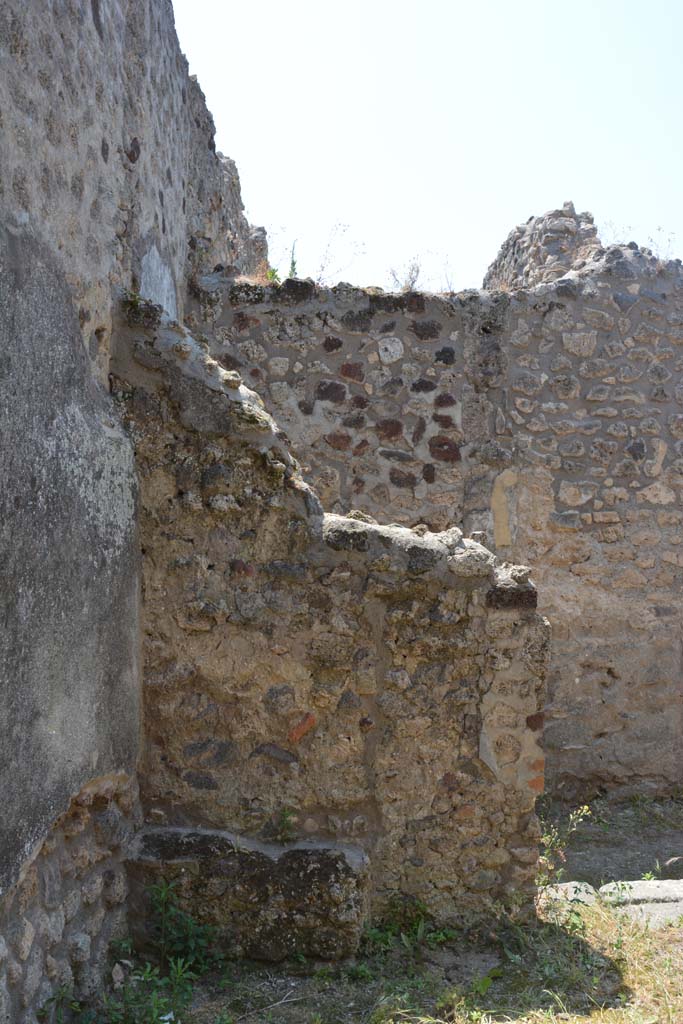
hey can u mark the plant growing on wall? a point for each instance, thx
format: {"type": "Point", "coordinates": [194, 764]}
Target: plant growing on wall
{"type": "Point", "coordinates": [406, 280]}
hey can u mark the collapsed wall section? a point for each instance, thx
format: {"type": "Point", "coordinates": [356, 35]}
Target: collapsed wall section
{"type": "Point", "coordinates": [549, 419]}
{"type": "Point", "coordinates": [318, 677]}
{"type": "Point", "coordinates": [544, 249]}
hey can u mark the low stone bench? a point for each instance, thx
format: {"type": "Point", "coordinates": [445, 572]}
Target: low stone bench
{"type": "Point", "coordinates": [266, 901]}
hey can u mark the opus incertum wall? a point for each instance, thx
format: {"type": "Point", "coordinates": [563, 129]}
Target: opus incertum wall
{"type": "Point", "coordinates": [370, 663]}
{"type": "Point", "coordinates": [383, 682]}
{"type": "Point", "coordinates": [381, 686]}
{"type": "Point", "coordinates": [109, 180]}
{"type": "Point", "coordinates": [546, 413]}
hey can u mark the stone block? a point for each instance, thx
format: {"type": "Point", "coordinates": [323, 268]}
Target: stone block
{"type": "Point", "coordinates": [655, 903]}
{"type": "Point", "coordinates": [571, 892]}
{"type": "Point", "coordinates": [265, 901]}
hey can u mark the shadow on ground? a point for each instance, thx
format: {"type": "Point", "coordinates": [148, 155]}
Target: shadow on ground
{"type": "Point", "coordinates": [511, 969]}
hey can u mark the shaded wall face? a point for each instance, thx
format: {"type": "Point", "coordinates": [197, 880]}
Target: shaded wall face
{"type": "Point", "coordinates": [552, 421]}
{"type": "Point", "coordinates": [323, 677]}
{"type": "Point", "coordinates": [108, 180]}
{"type": "Point", "coordinates": [69, 708]}
{"type": "Point", "coordinates": [57, 924]}
{"type": "Point", "coordinates": [69, 668]}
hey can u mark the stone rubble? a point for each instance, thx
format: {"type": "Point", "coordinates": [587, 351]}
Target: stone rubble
{"type": "Point", "coordinates": [655, 903]}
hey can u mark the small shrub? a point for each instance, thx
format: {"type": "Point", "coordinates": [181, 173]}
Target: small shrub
{"type": "Point", "coordinates": [177, 934]}
{"type": "Point", "coordinates": [61, 1005]}
{"type": "Point", "coordinates": [406, 280]}
{"type": "Point", "coordinates": [264, 274]}
{"type": "Point", "coordinates": [285, 826]}
{"type": "Point", "coordinates": [408, 923]}
{"type": "Point", "coordinates": [554, 840]}
{"type": "Point", "coordinates": [359, 972]}
{"type": "Point", "coordinates": [140, 312]}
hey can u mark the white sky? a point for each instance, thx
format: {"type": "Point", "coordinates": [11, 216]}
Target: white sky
{"type": "Point", "coordinates": [386, 130]}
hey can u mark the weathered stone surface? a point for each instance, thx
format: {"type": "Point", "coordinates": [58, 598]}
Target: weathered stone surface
{"type": "Point", "coordinates": [60, 917]}
{"type": "Point", "coordinates": [655, 903]}
{"type": "Point", "coordinates": [68, 547]}
{"type": "Point", "coordinates": [550, 425]}
{"type": "Point", "coordinates": [354, 673]}
{"type": "Point", "coordinates": [377, 684]}
{"type": "Point", "coordinates": [109, 181]}
{"type": "Point", "coordinates": [266, 901]}
{"type": "Point", "coordinates": [572, 892]}
{"type": "Point", "coordinates": [543, 250]}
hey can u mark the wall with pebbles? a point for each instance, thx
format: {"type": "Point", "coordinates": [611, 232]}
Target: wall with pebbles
{"type": "Point", "coordinates": [108, 155]}
{"type": "Point", "coordinates": [549, 418]}
{"type": "Point", "coordinates": [60, 917]}
{"type": "Point", "coordinates": [317, 677]}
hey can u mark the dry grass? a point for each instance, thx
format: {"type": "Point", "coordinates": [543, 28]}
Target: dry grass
{"type": "Point", "coordinates": [262, 274]}
{"type": "Point", "coordinates": [641, 982]}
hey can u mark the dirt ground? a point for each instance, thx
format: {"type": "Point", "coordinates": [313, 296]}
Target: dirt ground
{"type": "Point", "coordinates": [626, 841]}
{"type": "Point", "coordinates": [572, 964]}
{"type": "Point", "coordinates": [337, 994]}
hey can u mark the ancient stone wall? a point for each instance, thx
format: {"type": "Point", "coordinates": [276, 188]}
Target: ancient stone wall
{"type": "Point", "coordinates": [69, 665]}
{"type": "Point", "coordinates": [544, 249]}
{"type": "Point", "coordinates": [58, 920]}
{"type": "Point", "coordinates": [322, 695]}
{"type": "Point", "coordinates": [550, 419]}
{"type": "Point", "coordinates": [108, 155]}
{"type": "Point", "coordinates": [108, 181]}
{"type": "Point", "coordinates": [325, 696]}
{"type": "Point", "coordinates": [316, 677]}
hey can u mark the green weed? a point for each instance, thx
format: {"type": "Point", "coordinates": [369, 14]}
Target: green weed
{"type": "Point", "coordinates": [554, 839]}
{"type": "Point", "coordinates": [359, 972]}
{"type": "Point", "coordinates": [285, 826]}
{"type": "Point", "coordinates": [408, 923]}
{"type": "Point", "coordinates": [177, 934]}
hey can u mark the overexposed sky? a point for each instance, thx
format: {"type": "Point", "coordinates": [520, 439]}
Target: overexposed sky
{"type": "Point", "coordinates": [374, 132]}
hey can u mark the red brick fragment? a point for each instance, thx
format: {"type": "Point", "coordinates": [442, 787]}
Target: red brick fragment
{"type": "Point", "coordinates": [389, 430]}
{"type": "Point", "coordinates": [300, 730]}
{"type": "Point", "coordinates": [444, 449]}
